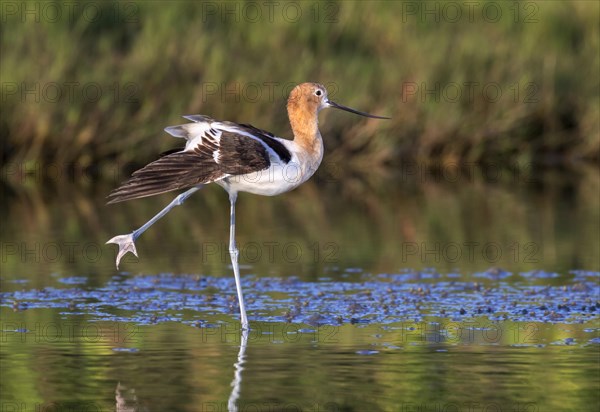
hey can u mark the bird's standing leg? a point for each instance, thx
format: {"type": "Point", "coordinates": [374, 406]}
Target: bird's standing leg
{"type": "Point", "coordinates": [126, 242]}
{"type": "Point", "coordinates": [234, 253]}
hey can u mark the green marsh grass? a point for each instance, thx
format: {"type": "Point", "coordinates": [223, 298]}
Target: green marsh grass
{"type": "Point", "coordinates": [162, 60]}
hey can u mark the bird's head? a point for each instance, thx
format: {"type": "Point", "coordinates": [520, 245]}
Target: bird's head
{"type": "Point", "coordinates": [312, 98]}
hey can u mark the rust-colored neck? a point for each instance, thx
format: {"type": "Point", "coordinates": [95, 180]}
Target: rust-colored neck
{"type": "Point", "coordinates": [305, 126]}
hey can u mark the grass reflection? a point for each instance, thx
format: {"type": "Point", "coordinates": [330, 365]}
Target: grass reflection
{"type": "Point", "coordinates": [318, 230]}
{"type": "Point", "coordinates": [179, 367]}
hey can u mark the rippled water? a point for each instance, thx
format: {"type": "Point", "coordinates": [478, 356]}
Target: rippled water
{"type": "Point", "coordinates": [368, 299]}
{"type": "Point", "coordinates": [422, 298]}
{"type": "Point", "coordinates": [69, 362]}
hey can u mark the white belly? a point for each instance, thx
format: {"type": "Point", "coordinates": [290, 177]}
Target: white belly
{"type": "Point", "coordinates": [277, 179]}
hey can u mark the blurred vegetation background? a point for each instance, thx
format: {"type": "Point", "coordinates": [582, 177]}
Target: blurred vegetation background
{"type": "Point", "coordinates": [95, 84]}
{"type": "Point", "coordinates": [472, 88]}
{"type": "Point", "coordinates": [88, 87]}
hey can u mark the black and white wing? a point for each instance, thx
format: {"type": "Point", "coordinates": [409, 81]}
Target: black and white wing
{"type": "Point", "coordinates": [214, 150]}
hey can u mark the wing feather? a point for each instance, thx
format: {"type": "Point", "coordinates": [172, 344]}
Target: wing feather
{"type": "Point", "coordinates": [176, 171]}
{"type": "Point", "coordinates": [213, 155]}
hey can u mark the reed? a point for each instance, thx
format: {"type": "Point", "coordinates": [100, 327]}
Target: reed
{"type": "Point", "coordinates": [519, 86]}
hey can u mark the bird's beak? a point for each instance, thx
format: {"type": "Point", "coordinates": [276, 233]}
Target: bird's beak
{"type": "Point", "coordinates": [347, 109]}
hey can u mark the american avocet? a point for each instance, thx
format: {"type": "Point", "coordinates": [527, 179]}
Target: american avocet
{"type": "Point", "coordinates": [238, 157]}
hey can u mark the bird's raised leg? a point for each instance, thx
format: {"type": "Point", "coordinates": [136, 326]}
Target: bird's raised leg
{"type": "Point", "coordinates": [234, 253]}
{"type": "Point", "coordinates": [127, 242]}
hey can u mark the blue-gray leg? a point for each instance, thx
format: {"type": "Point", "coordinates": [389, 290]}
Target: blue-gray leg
{"type": "Point", "coordinates": [127, 242]}
{"type": "Point", "coordinates": [234, 253]}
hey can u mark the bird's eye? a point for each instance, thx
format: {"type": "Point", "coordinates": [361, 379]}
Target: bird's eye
{"type": "Point", "coordinates": [318, 92]}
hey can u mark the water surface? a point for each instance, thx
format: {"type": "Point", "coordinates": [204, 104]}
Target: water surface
{"type": "Point", "coordinates": [402, 294]}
